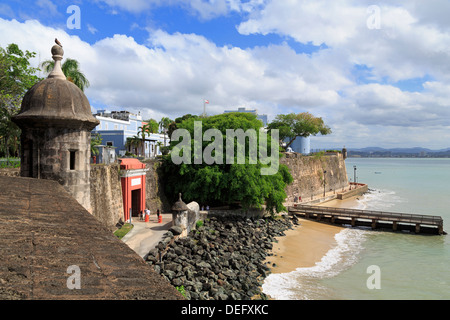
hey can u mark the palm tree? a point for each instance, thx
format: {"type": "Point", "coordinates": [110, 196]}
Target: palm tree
{"type": "Point", "coordinates": [148, 128]}
{"type": "Point", "coordinates": [164, 125]}
{"type": "Point", "coordinates": [133, 141]}
{"type": "Point", "coordinates": [71, 69]}
{"type": "Point", "coordinates": [95, 141]}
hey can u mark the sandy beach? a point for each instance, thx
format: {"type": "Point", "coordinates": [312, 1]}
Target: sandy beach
{"type": "Point", "coordinates": [306, 244]}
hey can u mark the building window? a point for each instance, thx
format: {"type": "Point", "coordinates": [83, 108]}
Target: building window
{"type": "Point", "coordinates": [109, 143]}
{"type": "Point", "coordinates": [116, 126]}
{"type": "Point", "coordinates": [72, 159]}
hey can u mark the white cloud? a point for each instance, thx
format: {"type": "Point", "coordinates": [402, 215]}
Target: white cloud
{"type": "Point", "coordinates": [6, 11]}
{"type": "Point", "coordinates": [331, 22]}
{"type": "Point", "coordinates": [48, 6]}
{"type": "Point", "coordinates": [171, 74]}
{"type": "Point", "coordinates": [205, 9]}
{"type": "Point", "coordinates": [175, 72]}
{"type": "Point", "coordinates": [402, 48]}
{"type": "Point", "coordinates": [134, 6]}
{"type": "Point", "coordinates": [92, 29]}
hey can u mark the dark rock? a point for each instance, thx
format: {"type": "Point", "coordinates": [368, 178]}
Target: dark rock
{"type": "Point", "coordinates": [203, 264]}
{"type": "Point", "coordinates": [176, 230]}
{"type": "Point", "coordinates": [222, 260]}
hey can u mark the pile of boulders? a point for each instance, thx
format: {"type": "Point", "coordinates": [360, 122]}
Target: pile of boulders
{"type": "Point", "coordinates": [222, 259]}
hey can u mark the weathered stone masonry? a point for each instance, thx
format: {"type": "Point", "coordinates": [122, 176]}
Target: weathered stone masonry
{"type": "Point", "coordinates": [307, 172]}
{"type": "Point", "coordinates": [106, 194]}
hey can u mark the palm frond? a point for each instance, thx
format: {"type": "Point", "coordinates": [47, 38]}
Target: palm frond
{"type": "Point", "coordinates": [71, 69]}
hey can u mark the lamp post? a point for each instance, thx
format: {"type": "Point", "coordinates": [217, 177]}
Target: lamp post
{"type": "Point", "coordinates": [324, 171]}
{"type": "Point", "coordinates": [354, 174]}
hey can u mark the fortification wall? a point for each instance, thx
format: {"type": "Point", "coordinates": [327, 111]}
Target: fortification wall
{"type": "Point", "coordinates": [10, 172]}
{"type": "Point", "coordinates": [106, 194]}
{"type": "Point", "coordinates": [154, 190]}
{"type": "Point", "coordinates": [307, 172]}
{"type": "Point", "coordinates": [106, 189]}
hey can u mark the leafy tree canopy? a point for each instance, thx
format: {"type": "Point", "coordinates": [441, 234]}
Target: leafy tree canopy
{"type": "Point", "coordinates": [151, 126]}
{"type": "Point", "coordinates": [226, 184]}
{"type": "Point", "coordinates": [293, 125]}
{"type": "Point", "coordinates": [95, 141]}
{"type": "Point", "coordinates": [16, 78]}
{"type": "Point", "coordinates": [164, 124]}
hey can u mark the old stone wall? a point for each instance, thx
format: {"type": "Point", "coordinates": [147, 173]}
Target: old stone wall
{"type": "Point", "coordinates": [250, 213]}
{"type": "Point", "coordinates": [10, 172]}
{"type": "Point", "coordinates": [308, 174]}
{"type": "Point", "coordinates": [106, 189]}
{"type": "Point", "coordinates": [106, 194]}
{"type": "Point", "coordinates": [154, 189]}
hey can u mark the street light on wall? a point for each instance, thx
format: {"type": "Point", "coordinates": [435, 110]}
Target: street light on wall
{"type": "Point", "coordinates": [324, 171]}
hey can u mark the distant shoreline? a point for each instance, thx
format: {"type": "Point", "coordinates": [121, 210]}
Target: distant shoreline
{"type": "Point", "coordinates": [413, 156]}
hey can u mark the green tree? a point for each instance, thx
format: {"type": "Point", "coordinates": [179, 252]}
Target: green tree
{"type": "Point", "coordinates": [293, 125]}
{"type": "Point", "coordinates": [16, 78]}
{"type": "Point", "coordinates": [164, 124]}
{"type": "Point", "coordinates": [226, 184]}
{"type": "Point", "coordinates": [95, 141]}
{"type": "Point", "coordinates": [133, 142]}
{"type": "Point", "coordinates": [174, 125]}
{"type": "Point", "coordinates": [71, 69]}
{"type": "Point", "coordinates": [150, 126]}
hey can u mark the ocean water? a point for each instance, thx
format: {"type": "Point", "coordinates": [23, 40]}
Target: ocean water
{"type": "Point", "coordinates": [408, 266]}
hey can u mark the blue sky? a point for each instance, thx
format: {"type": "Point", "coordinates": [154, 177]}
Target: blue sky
{"type": "Point", "coordinates": [378, 75]}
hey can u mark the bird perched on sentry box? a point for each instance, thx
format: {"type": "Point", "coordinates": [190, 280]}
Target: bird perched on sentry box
{"type": "Point", "coordinates": [58, 43]}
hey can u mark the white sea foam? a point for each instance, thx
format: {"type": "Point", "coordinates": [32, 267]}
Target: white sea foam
{"type": "Point", "coordinates": [302, 283]}
{"type": "Point", "coordinates": [294, 285]}
{"type": "Point", "coordinates": [379, 199]}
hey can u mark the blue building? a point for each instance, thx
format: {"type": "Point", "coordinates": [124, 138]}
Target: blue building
{"type": "Point", "coordinates": [262, 117]}
{"type": "Point", "coordinates": [117, 126]}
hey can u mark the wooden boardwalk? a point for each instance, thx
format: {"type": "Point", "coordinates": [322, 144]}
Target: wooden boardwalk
{"type": "Point", "coordinates": [375, 219]}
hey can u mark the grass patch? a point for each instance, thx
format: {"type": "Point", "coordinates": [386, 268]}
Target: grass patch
{"type": "Point", "coordinates": [120, 233]}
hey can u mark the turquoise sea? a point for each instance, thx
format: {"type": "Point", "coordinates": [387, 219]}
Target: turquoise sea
{"type": "Point", "coordinates": [409, 266]}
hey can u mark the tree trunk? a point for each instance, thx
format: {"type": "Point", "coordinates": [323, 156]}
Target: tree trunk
{"type": "Point", "coordinates": [290, 142]}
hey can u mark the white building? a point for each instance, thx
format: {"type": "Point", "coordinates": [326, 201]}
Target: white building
{"type": "Point", "coordinates": [262, 117]}
{"type": "Point", "coordinates": [116, 127]}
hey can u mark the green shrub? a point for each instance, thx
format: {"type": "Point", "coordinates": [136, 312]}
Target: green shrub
{"type": "Point", "coordinates": [181, 290]}
{"type": "Point", "coordinates": [199, 224]}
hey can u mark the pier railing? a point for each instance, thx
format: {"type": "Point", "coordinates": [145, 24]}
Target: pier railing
{"type": "Point", "coordinates": [356, 215]}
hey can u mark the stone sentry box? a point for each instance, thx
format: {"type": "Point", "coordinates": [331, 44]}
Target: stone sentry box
{"type": "Point", "coordinates": [56, 122]}
{"type": "Point", "coordinates": [185, 216]}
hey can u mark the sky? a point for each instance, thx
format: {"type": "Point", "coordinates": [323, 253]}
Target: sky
{"type": "Point", "coordinates": [377, 72]}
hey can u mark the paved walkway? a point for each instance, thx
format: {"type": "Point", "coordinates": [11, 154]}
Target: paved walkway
{"type": "Point", "coordinates": [145, 235]}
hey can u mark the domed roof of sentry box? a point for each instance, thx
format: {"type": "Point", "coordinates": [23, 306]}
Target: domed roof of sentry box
{"type": "Point", "coordinates": [179, 205]}
{"type": "Point", "coordinates": [56, 101]}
